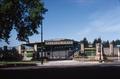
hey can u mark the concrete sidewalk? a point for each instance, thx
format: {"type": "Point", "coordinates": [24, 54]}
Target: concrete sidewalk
{"type": "Point", "coordinates": [69, 63]}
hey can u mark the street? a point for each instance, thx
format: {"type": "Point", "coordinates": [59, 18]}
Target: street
{"type": "Point", "coordinates": [63, 69]}
{"type": "Point", "coordinates": [65, 64]}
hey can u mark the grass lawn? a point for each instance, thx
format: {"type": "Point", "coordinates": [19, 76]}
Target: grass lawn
{"type": "Point", "coordinates": [4, 63]}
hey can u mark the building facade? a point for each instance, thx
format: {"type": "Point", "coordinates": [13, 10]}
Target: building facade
{"type": "Point", "coordinates": [65, 49]}
{"type": "Point", "coordinates": [51, 49]}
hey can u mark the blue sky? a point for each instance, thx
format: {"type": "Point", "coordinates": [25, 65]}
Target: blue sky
{"type": "Point", "coordinates": [76, 19]}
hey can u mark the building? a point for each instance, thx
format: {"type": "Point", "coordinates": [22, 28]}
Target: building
{"type": "Point", "coordinates": [51, 49]}
{"type": "Point", "coordinates": [59, 49]}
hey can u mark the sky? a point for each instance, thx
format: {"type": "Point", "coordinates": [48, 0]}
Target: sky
{"type": "Point", "coordinates": [76, 19]}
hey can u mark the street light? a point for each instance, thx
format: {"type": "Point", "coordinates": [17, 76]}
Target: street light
{"type": "Point", "coordinates": [41, 43]}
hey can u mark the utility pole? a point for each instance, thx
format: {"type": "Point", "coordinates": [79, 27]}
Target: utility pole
{"type": "Point", "coordinates": [41, 43]}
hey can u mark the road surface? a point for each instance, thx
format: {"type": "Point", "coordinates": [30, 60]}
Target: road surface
{"type": "Point", "coordinates": [64, 70]}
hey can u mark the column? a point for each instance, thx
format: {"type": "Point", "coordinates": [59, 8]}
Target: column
{"type": "Point", "coordinates": [98, 51]}
{"type": "Point", "coordinates": [111, 49]}
{"type": "Point", "coordinates": [24, 55]}
{"type": "Point", "coordinates": [102, 53]}
{"type": "Point", "coordinates": [82, 48]}
{"type": "Point", "coordinates": [19, 49]}
{"type": "Point", "coordinates": [35, 51]}
{"type": "Point", "coordinates": [118, 53]}
{"type": "Point", "coordinates": [35, 47]}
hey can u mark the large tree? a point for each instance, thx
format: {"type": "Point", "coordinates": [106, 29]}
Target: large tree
{"type": "Point", "coordinates": [106, 43]}
{"type": "Point", "coordinates": [85, 42]}
{"type": "Point", "coordinates": [94, 42]}
{"type": "Point", "coordinates": [99, 40]}
{"type": "Point", "coordinates": [25, 16]}
{"type": "Point", "coordinates": [117, 42]}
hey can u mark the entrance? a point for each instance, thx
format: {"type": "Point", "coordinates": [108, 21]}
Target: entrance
{"type": "Point", "coordinates": [90, 51]}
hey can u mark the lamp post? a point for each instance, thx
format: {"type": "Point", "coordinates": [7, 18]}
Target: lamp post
{"type": "Point", "coordinates": [41, 43]}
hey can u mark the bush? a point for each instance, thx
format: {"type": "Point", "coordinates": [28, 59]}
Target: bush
{"type": "Point", "coordinates": [10, 55]}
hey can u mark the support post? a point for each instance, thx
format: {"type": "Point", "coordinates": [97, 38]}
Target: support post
{"type": "Point", "coordinates": [35, 47]}
{"type": "Point", "coordinates": [111, 49]}
{"type": "Point", "coordinates": [19, 49]}
{"type": "Point", "coordinates": [118, 53]}
{"type": "Point", "coordinates": [99, 52]}
{"type": "Point", "coordinates": [42, 43]}
{"type": "Point", "coordinates": [82, 48]}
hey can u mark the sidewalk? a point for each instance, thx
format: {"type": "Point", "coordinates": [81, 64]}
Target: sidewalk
{"type": "Point", "coordinates": [69, 63]}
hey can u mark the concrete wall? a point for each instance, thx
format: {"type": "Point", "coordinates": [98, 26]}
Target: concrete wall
{"type": "Point", "coordinates": [116, 51]}
{"type": "Point", "coordinates": [107, 51]}
{"type": "Point", "coordinates": [59, 55]}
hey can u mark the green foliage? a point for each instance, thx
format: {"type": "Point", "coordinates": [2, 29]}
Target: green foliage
{"type": "Point", "coordinates": [85, 42]}
{"type": "Point", "coordinates": [96, 41]}
{"type": "Point", "coordinates": [25, 16]}
{"type": "Point", "coordinates": [106, 43]}
{"type": "Point", "coordinates": [117, 42]}
{"type": "Point", "coordinates": [90, 53]}
{"type": "Point", "coordinates": [29, 54]}
{"type": "Point", "coordinates": [10, 55]}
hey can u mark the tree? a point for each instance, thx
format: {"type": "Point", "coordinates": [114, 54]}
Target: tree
{"type": "Point", "coordinates": [10, 54]}
{"type": "Point", "coordinates": [106, 43]}
{"type": "Point", "coordinates": [117, 42]}
{"type": "Point", "coordinates": [85, 42]}
{"type": "Point", "coordinates": [99, 40]}
{"type": "Point", "coordinates": [113, 42]}
{"type": "Point", "coordinates": [25, 16]}
{"type": "Point", "coordinates": [94, 42]}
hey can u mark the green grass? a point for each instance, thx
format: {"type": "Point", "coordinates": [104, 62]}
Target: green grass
{"type": "Point", "coordinates": [18, 62]}
{"type": "Point", "coordinates": [29, 54]}
{"type": "Point", "coordinates": [90, 53]}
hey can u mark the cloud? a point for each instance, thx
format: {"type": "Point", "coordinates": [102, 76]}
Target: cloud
{"type": "Point", "coordinates": [109, 21]}
{"type": "Point", "coordinates": [84, 2]}
{"type": "Point", "coordinates": [85, 31]}
{"type": "Point", "coordinates": [103, 24]}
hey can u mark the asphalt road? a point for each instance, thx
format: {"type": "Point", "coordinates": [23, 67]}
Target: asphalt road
{"type": "Point", "coordinates": [93, 71]}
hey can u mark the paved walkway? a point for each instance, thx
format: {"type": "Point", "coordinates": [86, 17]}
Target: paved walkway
{"type": "Point", "coordinates": [68, 63]}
